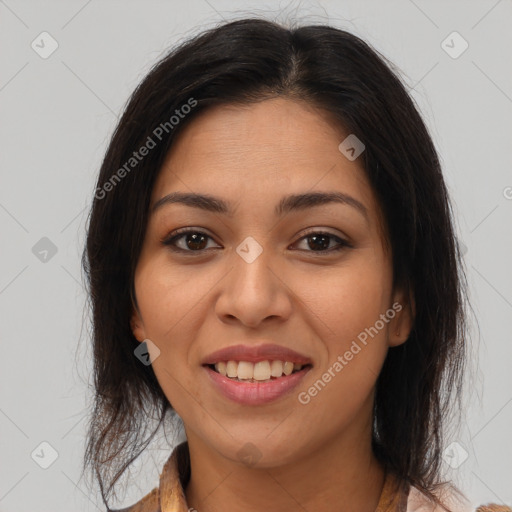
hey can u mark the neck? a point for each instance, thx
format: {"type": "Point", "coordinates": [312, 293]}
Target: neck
{"type": "Point", "coordinates": [339, 475]}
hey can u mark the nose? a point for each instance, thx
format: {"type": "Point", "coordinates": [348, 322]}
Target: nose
{"type": "Point", "coordinates": [253, 292]}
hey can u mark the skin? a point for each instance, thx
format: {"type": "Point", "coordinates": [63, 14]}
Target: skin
{"type": "Point", "coordinates": [313, 456]}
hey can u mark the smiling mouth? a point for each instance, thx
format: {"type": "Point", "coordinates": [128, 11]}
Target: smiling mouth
{"type": "Point", "coordinates": [261, 371]}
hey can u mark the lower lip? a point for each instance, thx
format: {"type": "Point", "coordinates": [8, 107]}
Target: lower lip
{"type": "Point", "coordinates": [256, 393]}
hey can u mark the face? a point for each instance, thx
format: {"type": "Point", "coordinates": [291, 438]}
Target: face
{"type": "Point", "coordinates": [312, 277]}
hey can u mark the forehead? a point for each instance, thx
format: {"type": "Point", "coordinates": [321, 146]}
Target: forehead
{"type": "Point", "coordinates": [259, 152]}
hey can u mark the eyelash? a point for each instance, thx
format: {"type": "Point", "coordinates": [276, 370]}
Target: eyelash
{"type": "Point", "coordinates": [171, 239]}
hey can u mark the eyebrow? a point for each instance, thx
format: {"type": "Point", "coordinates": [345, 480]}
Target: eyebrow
{"type": "Point", "coordinates": [290, 203]}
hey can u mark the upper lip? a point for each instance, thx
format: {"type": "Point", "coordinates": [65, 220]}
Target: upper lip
{"type": "Point", "coordinates": [255, 353]}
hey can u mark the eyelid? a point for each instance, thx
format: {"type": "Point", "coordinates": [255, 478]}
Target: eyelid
{"type": "Point", "coordinates": [324, 231]}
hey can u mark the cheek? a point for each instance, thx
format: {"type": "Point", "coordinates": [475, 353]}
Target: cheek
{"type": "Point", "coordinates": [173, 310]}
{"type": "Point", "coordinates": [167, 298]}
{"type": "Point", "coordinates": [349, 303]}
{"type": "Point", "coordinates": [162, 299]}
{"type": "Point", "coordinates": [347, 300]}
{"type": "Point", "coordinates": [166, 305]}
{"type": "Point", "coordinates": [355, 349]}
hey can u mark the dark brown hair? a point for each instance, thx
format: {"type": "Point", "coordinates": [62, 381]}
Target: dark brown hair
{"type": "Point", "coordinates": [248, 61]}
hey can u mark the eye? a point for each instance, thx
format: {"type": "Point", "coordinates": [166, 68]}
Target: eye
{"type": "Point", "coordinates": [193, 240]}
{"type": "Point", "coordinates": [320, 241]}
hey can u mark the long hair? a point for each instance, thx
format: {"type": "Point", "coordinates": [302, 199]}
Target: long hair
{"type": "Point", "coordinates": [247, 61]}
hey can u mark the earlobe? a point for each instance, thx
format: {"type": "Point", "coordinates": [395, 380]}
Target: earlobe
{"type": "Point", "coordinates": [137, 326]}
{"type": "Point", "coordinates": [401, 325]}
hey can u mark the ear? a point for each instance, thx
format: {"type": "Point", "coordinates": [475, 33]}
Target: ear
{"type": "Point", "coordinates": [137, 325]}
{"type": "Point", "coordinates": [401, 324]}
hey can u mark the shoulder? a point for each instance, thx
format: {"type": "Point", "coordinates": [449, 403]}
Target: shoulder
{"type": "Point", "coordinates": [150, 503]}
{"type": "Point", "coordinates": [452, 498]}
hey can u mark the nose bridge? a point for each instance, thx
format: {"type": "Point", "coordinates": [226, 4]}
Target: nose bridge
{"type": "Point", "coordinates": [252, 262]}
{"type": "Point", "coordinates": [254, 291]}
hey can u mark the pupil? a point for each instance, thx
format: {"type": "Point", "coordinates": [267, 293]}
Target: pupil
{"type": "Point", "coordinates": [316, 239]}
{"type": "Point", "coordinates": [196, 239]}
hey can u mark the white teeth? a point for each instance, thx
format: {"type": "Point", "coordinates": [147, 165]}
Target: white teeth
{"type": "Point", "coordinates": [221, 367]}
{"type": "Point", "coordinates": [288, 368]}
{"type": "Point", "coordinates": [245, 370]}
{"type": "Point", "coordinates": [232, 369]}
{"type": "Point", "coordinates": [276, 368]}
{"type": "Point", "coordinates": [260, 371]}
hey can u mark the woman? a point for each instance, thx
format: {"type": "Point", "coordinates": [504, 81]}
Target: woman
{"type": "Point", "coordinates": [271, 257]}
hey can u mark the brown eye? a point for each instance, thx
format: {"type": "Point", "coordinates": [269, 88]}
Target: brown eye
{"type": "Point", "coordinates": [190, 240]}
{"type": "Point", "coordinates": [320, 242]}
{"type": "Point", "coordinates": [195, 241]}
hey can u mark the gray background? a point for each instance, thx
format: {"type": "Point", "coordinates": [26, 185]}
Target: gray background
{"type": "Point", "coordinates": [57, 115]}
